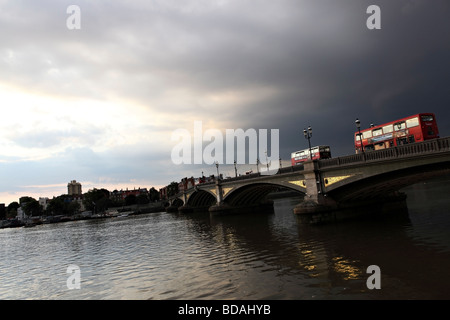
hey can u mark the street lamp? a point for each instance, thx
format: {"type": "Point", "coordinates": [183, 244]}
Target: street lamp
{"type": "Point", "coordinates": [217, 167]}
{"type": "Point", "coordinates": [235, 170]}
{"type": "Point", "coordinates": [267, 162]}
{"type": "Point", "coordinates": [358, 126]}
{"type": "Point", "coordinates": [308, 135]}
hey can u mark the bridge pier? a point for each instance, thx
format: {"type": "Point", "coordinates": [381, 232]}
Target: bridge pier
{"type": "Point", "coordinates": [393, 206]}
{"type": "Point", "coordinates": [314, 200]}
{"type": "Point", "coordinates": [173, 206]}
{"type": "Point", "coordinates": [172, 209]}
{"type": "Point", "coordinates": [318, 207]}
{"type": "Point", "coordinates": [185, 208]}
{"type": "Point", "coordinates": [220, 207]}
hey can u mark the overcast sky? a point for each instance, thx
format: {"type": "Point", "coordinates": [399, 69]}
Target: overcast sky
{"type": "Point", "coordinates": [99, 104]}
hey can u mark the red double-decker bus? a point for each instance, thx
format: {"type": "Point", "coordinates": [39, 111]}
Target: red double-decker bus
{"type": "Point", "coordinates": [418, 127]}
{"type": "Point", "coordinates": [318, 152]}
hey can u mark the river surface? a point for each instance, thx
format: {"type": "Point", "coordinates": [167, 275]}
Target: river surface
{"type": "Point", "coordinates": [252, 256]}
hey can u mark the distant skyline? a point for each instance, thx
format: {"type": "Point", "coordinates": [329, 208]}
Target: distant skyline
{"type": "Point", "coordinates": [99, 104]}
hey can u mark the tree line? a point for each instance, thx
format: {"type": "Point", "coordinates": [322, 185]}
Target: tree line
{"type": "Point", "coordinates": [95, 200]}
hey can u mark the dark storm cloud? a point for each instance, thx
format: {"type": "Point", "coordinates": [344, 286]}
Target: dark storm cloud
{"type": "Point", "coordinates": [312, 55]}
{"type": "Point", "coordinates": [304, 62]}
{"type": "Point", "coordinates": [346, 71]}
{"type": "Point", "coordinates": [239, 64]}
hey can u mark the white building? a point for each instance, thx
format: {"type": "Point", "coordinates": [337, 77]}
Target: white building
{"type": "Point", "coordinates": [43, 202]}
{"type": "Point", "coordinates": [21, 216]}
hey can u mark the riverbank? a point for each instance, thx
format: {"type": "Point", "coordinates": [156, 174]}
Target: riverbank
{"type": "Point", "coordinates": [87, 215]}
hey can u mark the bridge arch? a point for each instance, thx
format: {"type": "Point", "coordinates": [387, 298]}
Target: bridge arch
{"type": "Point", "coordinates": [201, 198]}
{"type": "Point", "coordinates": [177, 202]}
{"type": "Point", "coordinates": [253, 193]}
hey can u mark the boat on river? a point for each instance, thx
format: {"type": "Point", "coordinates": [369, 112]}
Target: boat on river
{"type": "Point", "coordinates": [126, 213]}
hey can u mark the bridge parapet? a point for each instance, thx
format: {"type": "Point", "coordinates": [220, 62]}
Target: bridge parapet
{"type": "Point", "coordinates": [258, 174]}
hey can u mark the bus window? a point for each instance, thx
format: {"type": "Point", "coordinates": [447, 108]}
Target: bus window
{"type": "Point", "coordinates": [388, 129]}
{"type": "Point", "coordinates": [400, 125]}
{"type": "Point", "coordinates": [414, 122]}
{"type": "Point", "coordinates": [367, 134]}
{"type": "Point", "coordinates": [427, 118]}
{"type": "Point", "coordinates": [377, 132]}
{"type": "Point", "coordinates": [402, 141]}
{"type": "Point", "coordinates": [379, 146]}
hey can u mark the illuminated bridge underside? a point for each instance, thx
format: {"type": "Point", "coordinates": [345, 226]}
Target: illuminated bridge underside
{"type": "Point", "coordinates": [327, 184]}
{"type": "Point", "coordinates": [250, 194]}
{"type": "Point", "coordinates": [201, 199]}
{"type": "Point", "coordinates": [385, 184]}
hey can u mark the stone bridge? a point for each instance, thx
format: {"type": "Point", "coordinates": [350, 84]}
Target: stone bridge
{"type": "Point", "coordinates": [325, 185]}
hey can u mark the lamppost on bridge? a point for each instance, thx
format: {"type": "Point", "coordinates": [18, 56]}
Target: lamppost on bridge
{"type": "Point", "coordinates": [235, 170]}
{"type": "Point", "coordinates": [358, 126]}
{"type": "Point", "coordinates": [267, 162]}
{"type": "Point", "coordinates": [308, 135]}
{"type": "Point", "coordinates": [217, 167]}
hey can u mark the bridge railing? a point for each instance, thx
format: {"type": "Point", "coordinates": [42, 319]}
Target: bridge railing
{"type": "Point", "coordinates": [298, 167]}
{"type": "Point", "coordinates": [425, 147]}
{"type": "Point", "coordinates": [258, 174]}
{"type": "Point", "coordinates": [444, 144]}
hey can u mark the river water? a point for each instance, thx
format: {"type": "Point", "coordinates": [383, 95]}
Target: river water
{"type": "Point", "coordinates": [252, 256]}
